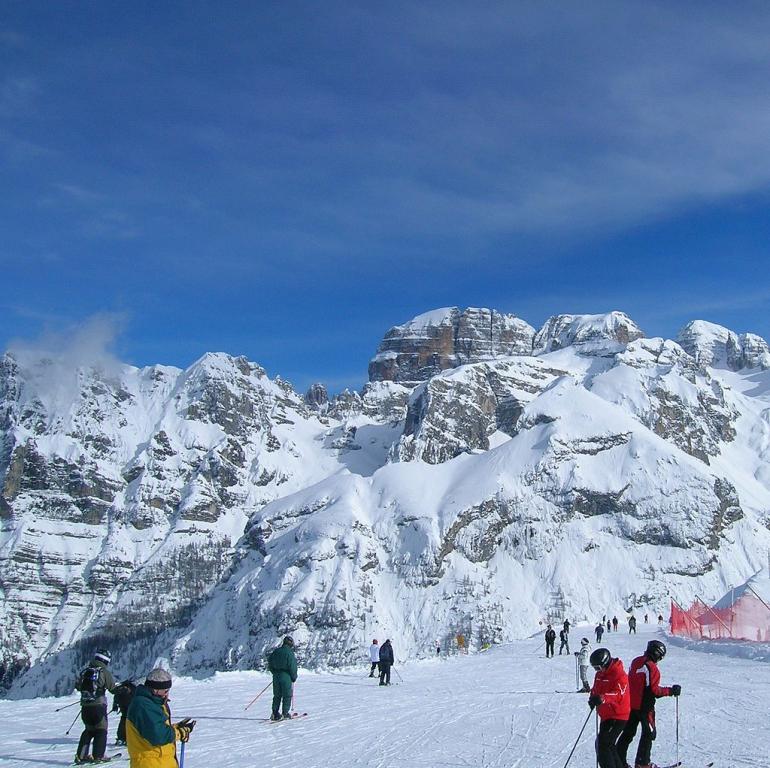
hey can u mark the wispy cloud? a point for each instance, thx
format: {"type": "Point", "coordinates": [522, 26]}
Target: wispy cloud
{"type": "Point", "coordinates": [53, 360]}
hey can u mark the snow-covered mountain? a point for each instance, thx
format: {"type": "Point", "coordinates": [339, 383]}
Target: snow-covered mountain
{"type": "Point", "coordinates": [470, 487]}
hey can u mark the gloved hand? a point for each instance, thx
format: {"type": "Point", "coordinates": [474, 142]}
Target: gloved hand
{"type": "Point", "coordinates": [576, 653]}
{"type": "Point", "coordinates": [594, 700]}
{"type": "Point", "coordinates": [184, 729]}
{"type": "Point", "coordinates": [676, 690]}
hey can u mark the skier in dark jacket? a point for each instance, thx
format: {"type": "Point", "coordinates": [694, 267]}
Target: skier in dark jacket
{"type": "Point", "coordinates": [550, 639]}
{"type": "Point", "coordinates": [645, 688]}
{"type": "Point", "coordinates": [120, 703]}
{"type": "Point", "coordinates": [599, 632]}
{"type": "Point", "coordinates": [564, 641]}
{"type": "Point", "coordinates": [632, 624]}
{"type": "Point", "coordinates": [282, 663]}
{"type": "Point", "coordinates": [386, 662]}
{"type": "Point", "coordinates": [614, 623]}
{"type": "Point", "coordinates": [93, 682]}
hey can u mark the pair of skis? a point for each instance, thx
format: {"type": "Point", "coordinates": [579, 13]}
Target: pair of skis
{"type": "Point", "coordinates": [294, 716]}
{"type": "Point", "coordinates": [105, 759]}
{"type": "Point", "coordinates": [681, 763]}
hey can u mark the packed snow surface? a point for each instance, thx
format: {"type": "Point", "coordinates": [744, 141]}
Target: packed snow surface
{"type": "Point", "coordinates": [499, 709]}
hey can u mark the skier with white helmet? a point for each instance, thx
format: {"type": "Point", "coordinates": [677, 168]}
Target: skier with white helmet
{"type": "Point", "coordinates": [584, 663]}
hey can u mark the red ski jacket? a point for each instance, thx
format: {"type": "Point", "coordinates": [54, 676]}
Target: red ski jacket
{"type": "Point", "coordinates": [612, 685]}
{"type": "Point", "coordinates": [644, 682]}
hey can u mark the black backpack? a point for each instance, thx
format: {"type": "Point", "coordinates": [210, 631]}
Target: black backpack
{"type": "Point", "coordinates": [88, 685]}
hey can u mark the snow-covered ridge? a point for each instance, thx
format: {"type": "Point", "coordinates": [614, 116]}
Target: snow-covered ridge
{"type": "Point", "coordinates": [501, 489]}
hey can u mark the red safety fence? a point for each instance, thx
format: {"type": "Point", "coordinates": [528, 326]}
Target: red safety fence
{"type": "Point", "coordinates": [746, 617]}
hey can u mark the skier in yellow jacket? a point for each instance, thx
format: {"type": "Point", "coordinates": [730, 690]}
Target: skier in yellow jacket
{"type": "Point", "coordinates": [150, 734]}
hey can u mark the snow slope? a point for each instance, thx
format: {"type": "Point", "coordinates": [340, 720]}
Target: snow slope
{"type": "Point", "coordinates": [497, 709]}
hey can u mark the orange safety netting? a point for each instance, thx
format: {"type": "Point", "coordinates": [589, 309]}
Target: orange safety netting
{"type": "Point", "coordinates": [745, 618]}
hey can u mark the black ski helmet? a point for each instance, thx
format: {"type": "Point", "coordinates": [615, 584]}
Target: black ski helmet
{"type": "Point", "coordinates": [656, 650]}
{"type": "Point", "coordinates": [288, 640]}
{"type": "Point", "coordinates": [600, 658]}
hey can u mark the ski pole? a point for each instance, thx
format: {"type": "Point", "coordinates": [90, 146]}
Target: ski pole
{"type": "Point", "coordinates": [577, 674]}
{"type": "Point", "coordinates": [257, 696]}
{"type": "Point", "coordinates": [67, 732]}
{"type": "Point", "coordinates": [677, 729]}
{"type": "Point", "coordinates": [577, 740]}
{"type": "Point", "coordinates": [181, 756]}
{"type": "Point", "coordinates": [597, 738]}
{"type": "Point", "coordinates": [399, 674]}
{"type": "Point", "coordinates": [66, 706]}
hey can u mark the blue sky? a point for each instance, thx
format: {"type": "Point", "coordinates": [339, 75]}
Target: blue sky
{"type": "Point", "coordinates": [288, 180]}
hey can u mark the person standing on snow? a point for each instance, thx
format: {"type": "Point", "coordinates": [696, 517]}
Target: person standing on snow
{"type": "Point", "coordinates": [566, 625]}
{"type": "Point", "coordinates": [150, 735]}
{"type": "Point", "coordinates": [564, 638]}
{"type": "Point", "coordinates": [583, 663]}
{"type": "Point", "coordinates": [374, 657]}
{"type": "Point", "coordinates": [282, 664]}
{"type": "Point", "coordinates": [599, 632]}
{"type": "Point", "coordinates": [614, 623]}
{"type": "Point", "coordinates": [631, 624]}
{"type": "Point", "coordinates": [386, 662]}
{"type": "Point", "coordinates": [644, 684]}
{"type": "Point", "coordinates": [610, 695]}
{"type": "Point", "coordinates": [121, 701]}
{"type": "Point", "coordinates": [93, 682]}
{"type": "Point", "coordinates": [550, 639]}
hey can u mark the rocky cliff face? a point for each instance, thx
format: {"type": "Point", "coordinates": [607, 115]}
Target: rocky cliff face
{"type": "Point", "coordinates": [446, 338]}
{"type": "Point", "coordinates": [122, 497]}
{"type": "Point", "coordinates": [199, 514]}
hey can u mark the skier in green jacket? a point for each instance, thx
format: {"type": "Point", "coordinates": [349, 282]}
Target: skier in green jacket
{"type": "Point", "coordinates": [283, 665]}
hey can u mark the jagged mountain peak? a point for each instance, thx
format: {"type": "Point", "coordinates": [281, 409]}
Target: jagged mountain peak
{"type": "Point", "coordinates": [716, 346]}
{"type": "Point", "coordinates": [561, 331]}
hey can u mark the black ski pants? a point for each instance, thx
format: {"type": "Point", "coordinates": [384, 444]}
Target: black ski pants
{"type": "Point", "coordinates": [94, 718]}
{"type": "Point", "coordinates": [375, 665]}
{"type": "Point", "coordinates": [647, 721]}
{"type": "Point", "coordinates": [121, 734]}
{"type": "Point", "coordinates": [384, 673]}
{"type": "Point", "coordinates": [564, 644]}
{"type": "Point", "coordinates": [549, 648]}
{"type": "Point", "coordinates": [606, 749]}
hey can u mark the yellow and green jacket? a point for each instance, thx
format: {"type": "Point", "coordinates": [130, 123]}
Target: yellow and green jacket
{"type": "Point", "coordinates": [150, 736]}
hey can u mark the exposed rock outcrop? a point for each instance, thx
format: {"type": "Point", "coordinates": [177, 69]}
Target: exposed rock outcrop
{"type": "Point", "coordinates": [446, 338]}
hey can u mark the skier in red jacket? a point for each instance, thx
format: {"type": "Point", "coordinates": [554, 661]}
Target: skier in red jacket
{"type": "Point", "coordinates": [610, 695]}
{"type": "Point", "coordinates": [644, 683]}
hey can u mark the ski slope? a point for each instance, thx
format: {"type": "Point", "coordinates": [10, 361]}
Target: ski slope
{"type": "Point", "coordinates": [498, 709]}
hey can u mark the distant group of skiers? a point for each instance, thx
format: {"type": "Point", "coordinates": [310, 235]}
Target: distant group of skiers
{"type": "Point", "coordinates": [145, 717]}
{"type": "Point", "coordinates": [381, 658]}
